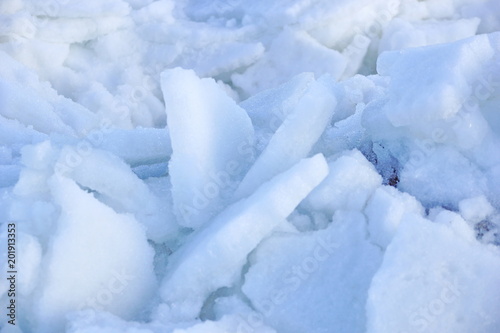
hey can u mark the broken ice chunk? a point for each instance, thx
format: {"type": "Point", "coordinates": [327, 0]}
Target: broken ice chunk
{"type": "Point", "coordinates": [214, 256]}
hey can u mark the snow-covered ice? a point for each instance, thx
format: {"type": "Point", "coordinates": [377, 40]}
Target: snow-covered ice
{"type": "Point", "coordinates": [185, 166]}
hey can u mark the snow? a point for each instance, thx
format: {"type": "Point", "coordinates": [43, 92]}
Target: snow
{"type": "Point", "coordinates": [475, 209]}
{"type": "Point", "coordinates": [251, 166]}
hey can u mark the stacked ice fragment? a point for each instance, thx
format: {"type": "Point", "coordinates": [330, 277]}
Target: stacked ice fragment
{"type": "Point", "coordinates": [240, 166]}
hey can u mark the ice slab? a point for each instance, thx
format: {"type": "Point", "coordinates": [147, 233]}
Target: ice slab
{"type": "Point", "coordinates": [118, 187]}
{"type": "Point", "coordinates": [316, 281]}
{"type": "Point", "coordinates": [350, 183]}
{"type": "Point", "coordinates": [211, 141]}
{"type": "Point", "coordinates": [214, 255]}
{"type": "Point", "coordinates": [310, 117]}
{"type": "Point", "coordinates": [385, 210]}
{"type": "Point", "coordinates": [96, 259]}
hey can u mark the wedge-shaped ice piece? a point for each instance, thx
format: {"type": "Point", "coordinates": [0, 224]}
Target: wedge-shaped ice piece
{"type": "Point", "coordinates": [350, 183]}
{"type": "Point", "coordinates": [270, 107]}
{"type": "Point", "coordinates": [385, 210]}
{"type": "Point", "coordinates": [314, 282]}
{"type": "Point", "coordinates": [294, 138]}
{"type": "Point", "coordinates": [214, 256]}
{"type": "Point", "coordinates": [97, 259]}
{"type": "Point", "coordinates": [119, 188]}
{"type": "Point", "coordinates": [210, 137]}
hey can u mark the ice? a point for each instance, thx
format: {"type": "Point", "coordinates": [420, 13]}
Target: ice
{"type": "Point", "coordinates": [224, 59]}
{"type": "Point", "coordinates": [91, 8]}
{"type": "Point", "coordinates": [33, 110]}
{"type": "Point", "coordinates": [486, 12]}
{"type": "Point", "coordinates": [91, 321]}
{"type": "Point", "coordinates": [268, 109]}
{"type": "Point", "coordinates": [310, 116]}
{"type": "Point", "coordinates": [213, 257]}
{"type": "Point", "coordinates": [385, 210]}
{"type": "Point", "coordinates": [314, 282]}
{"type": "Point", "coordinates": [119, 188]}
{"type": "Point", "coordinates": [251, 166]}
{"type": "Point", "coordinates": [211, 141]}
{"type": "Point", "coordinates": [455, 179]}
{"type": "Point", "coordinates": [54, 113]}
{"type": "Point", "coordinates": [349, 184]}
{"type": "Point", "coordinates": [97, 259]}
{"type": "Point", "coordinates": [228, 324]}
{"type": "Point", "coordinates": [401, 34]}
{"type": "Point", "coordinates": [141, 146]}
{"type": "Point", "coordinates": [291, 53]}
{"type": "Point", "coordinates": [447, 86]}
{"type": "Point", "coordinates": [428, 281]}
{"type": "Point", "coordinates": [9, 174]}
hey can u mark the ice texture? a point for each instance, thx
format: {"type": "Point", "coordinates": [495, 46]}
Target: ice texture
{"type": "Point", "coordinates": [211, 141]}
{"type": "Point", "coordinates": [213, 257]}
{"type": "Point", "coordinates": [184, 166]}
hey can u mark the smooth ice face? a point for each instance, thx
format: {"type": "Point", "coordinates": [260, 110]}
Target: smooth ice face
{"type": "Point", "coordinates": [97, 259]}
{"type": "Point", "coordinates": [447, 72]}
{"type": "Point", "coordinates": [385, 210]}
{"type": "Point", "coordinates": [211, 141]}
{"type": "Point", "coordinates": [310, 117]}
{"type": "Point", "coordinates": [317, 281]}
{"type": "Point", "coordinates": [350, 182]}
{"type": "Point", "coordinates": [214, 256]}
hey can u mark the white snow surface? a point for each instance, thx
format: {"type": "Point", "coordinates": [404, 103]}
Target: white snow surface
{"type": "Point", "coordinates": [210, 166]}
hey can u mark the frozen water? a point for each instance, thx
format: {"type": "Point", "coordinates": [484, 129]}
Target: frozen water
{"type": "Point", "coordinates": [349, 184]}
{"type": "Point", "coordinates": [211, 140]}
{"type": "Point", "coordinates": [213, 257]}
{"type": "Point", "coordinates": [385, 210]}
{"type": "Point", "coordinates": [315, 282]}
{"type": "Point", "coordinates": [97, 259]}
{"type": "Point", "coordinates": [310, 116]}
{"type": "Point", "coordinates": [251, 166]}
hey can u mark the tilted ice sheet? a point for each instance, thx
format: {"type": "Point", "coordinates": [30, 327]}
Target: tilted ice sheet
{"type": "Point", "coordinates": [429, 280]}
{"type": "Point", "coordinates": [213, 256]}
{"type": "Point", "coordinates": [211, 141]}
{"type": "Point", "coordinates": [317, 281]}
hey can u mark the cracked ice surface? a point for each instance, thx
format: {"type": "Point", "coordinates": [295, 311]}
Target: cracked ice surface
{"type": "Point", "coordinates": [189, 166]}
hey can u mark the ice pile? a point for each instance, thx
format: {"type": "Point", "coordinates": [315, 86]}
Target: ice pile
{"type": "Point", "coordinates": [244, 166]}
